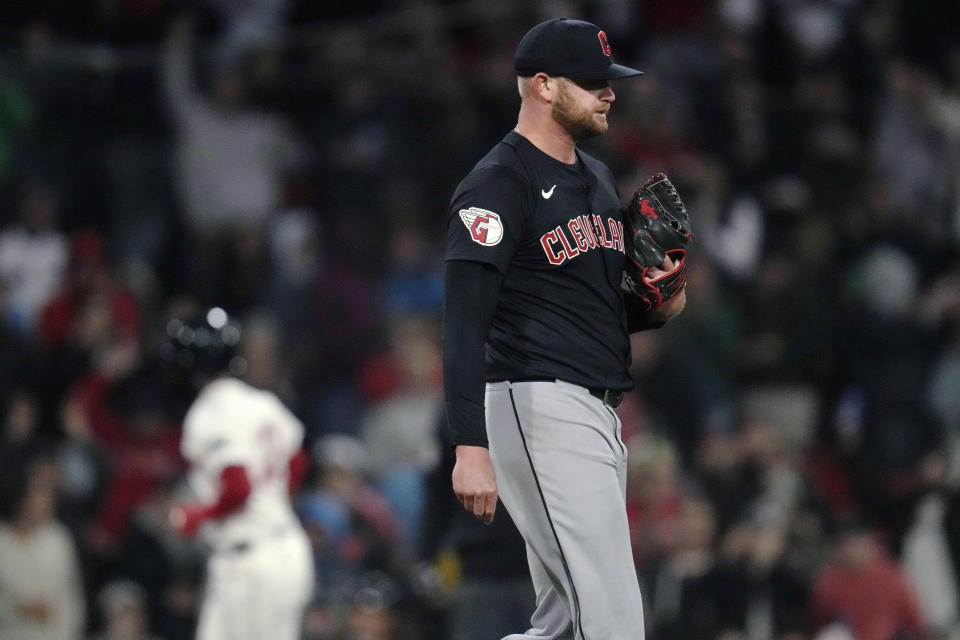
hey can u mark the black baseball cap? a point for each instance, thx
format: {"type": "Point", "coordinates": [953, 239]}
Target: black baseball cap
{"type": "Point", "coordinates": [570, 48]}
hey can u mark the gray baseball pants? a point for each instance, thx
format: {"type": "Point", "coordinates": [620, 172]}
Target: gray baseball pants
{"type": "Point", "coordinates": [561, 469]}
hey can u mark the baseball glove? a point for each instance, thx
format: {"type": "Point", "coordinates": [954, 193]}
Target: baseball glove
{"type": "Point", "coordinates": [657, 225]}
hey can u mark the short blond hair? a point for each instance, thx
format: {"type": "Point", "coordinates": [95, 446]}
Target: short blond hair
{"type": "Point", "coordinates": [523, 85]}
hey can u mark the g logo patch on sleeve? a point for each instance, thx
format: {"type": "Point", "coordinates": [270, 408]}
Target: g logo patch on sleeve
{"type": "Point", "coordinates": [484, 226]}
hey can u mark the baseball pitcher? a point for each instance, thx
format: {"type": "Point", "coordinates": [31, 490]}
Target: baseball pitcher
{"type": "Point", "coordinates": [547, 274]}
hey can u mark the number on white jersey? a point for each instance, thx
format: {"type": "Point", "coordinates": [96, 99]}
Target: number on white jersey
{"type": "Point", "coordinates": [273, 453]}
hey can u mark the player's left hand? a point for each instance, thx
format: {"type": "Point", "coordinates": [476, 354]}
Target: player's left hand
{"type": "Point", "coordinates": [656, 232]}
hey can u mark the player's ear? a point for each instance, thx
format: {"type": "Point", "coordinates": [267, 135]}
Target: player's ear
{"type": "Point", "coordinates": [544, 87]}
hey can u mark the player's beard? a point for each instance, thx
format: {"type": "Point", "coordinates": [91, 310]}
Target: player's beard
{"type": "Point", "coordinates": [580, 123]}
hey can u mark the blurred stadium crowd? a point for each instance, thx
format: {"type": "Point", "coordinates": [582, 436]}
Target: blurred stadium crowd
{"type": "Point", "coordinates": [794, 436]}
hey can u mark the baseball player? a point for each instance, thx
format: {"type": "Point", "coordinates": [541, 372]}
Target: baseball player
{"type": "Point", "coordinates": [244, 450]}
{"type": "Point", "coordinates": [546, 276]}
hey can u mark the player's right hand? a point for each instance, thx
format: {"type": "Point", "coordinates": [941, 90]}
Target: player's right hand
{"type": "Point", "coordinates": [674, 305]}
{"type": "Point", "coordinates": [474, 482]}
{"type": "Point", "coordinates": [660, 270]}
{"type": "Point", "coordinates": [185, 519]}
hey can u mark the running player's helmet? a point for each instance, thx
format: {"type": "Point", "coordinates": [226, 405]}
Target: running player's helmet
{"type": "Point", "coordinates": [204, 345]}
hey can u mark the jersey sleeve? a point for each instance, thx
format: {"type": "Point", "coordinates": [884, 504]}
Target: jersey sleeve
{"type": "Point", "coordinates": [487, 216]}
{"type": "Point", "coordinates": [470, 299]}
{"type": "Point", "coordinates": [639, 317]}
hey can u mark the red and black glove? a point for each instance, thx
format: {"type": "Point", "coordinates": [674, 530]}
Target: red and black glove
{"type": "Point", "coordinates": [656, 226]}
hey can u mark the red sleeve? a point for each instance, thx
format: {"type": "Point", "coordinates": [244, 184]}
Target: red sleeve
{"type": "Point", "coordinates": [234, 491]}
{"type": "Point", "coordinates": [299, 465]}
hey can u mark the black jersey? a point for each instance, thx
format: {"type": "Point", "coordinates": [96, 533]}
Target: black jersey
{"type": "Point", "coordinates": [556, 233]}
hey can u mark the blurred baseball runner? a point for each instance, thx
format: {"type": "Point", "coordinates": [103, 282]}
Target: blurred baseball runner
{"type": "Point", "coordinates": [244, 450]}
{"type": "Point", "coordinates": [540, 302]}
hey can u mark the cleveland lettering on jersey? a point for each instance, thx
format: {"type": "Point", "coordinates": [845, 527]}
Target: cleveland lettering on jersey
{"type": "Point", "coordinates": [584, 238]}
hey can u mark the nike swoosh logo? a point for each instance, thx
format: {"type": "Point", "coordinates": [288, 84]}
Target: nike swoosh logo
{"type": "Point", "coordinates": [546, 194]}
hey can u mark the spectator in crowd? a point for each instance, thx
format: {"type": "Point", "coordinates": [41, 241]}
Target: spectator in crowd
{"type": "Point", "coordinates": [369, 622]}
{"type": "Point", "coordinates": [125, 404]}
{"type": "Point", "coordinates": [342, 300]}
{"type": "Point", "coordinates": [866, 590]}
{"type": "Point", "coordinates": [398, 427]}
{"type": "Point", "coordinates": [84, 464]}
{"type": "Point", "coordinates": [655, 497]}
{"type": "Point", "coordinates": [769, 585]}
{"type": "Point", "coordinates": [368, 615]}
{"type": "Point", "coordinates": [320, 621]}
{"type": "Point", "coordinates": [92, 309]}
{"type": "Point", "coordinates": [414, 284]}
{"type": "Point", "coordinates": [21, 440]}
{"type": "Point", "coordinates": [913, 153]}
{"type": "Point", "coordinates": [352, 527]}
{"type": "Point", "coordinates": [33, 256]}
{"type": "Point", "coordinates": [153, 556]}
{"type": "Point", "coordinates": [686, 590]}
{"type": "Point", "coordinates": [41, 595]}
{"type": "Point", "coordinates": [230, 157]}
{"type": "Point", "coordinates": [887, 429]}
{"type": "Point", "coordinates": [726, 475]}
{"type": "Point", "coordinates": [125, 616]}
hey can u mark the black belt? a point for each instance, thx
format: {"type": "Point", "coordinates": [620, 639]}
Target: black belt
{"type": "Point", "coordinates": [609, 397]}
{"type": "Point", "coordinates": [239, 547]}
{"type": "Point", "coordinates": [243, 546]}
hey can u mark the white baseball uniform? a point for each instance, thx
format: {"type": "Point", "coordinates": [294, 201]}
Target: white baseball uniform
{"type": "Point", "coordinates": [260, 573]}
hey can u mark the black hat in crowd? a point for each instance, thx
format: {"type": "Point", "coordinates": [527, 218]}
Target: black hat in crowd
{"type": "Point", "coordinates": [570, 48]}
